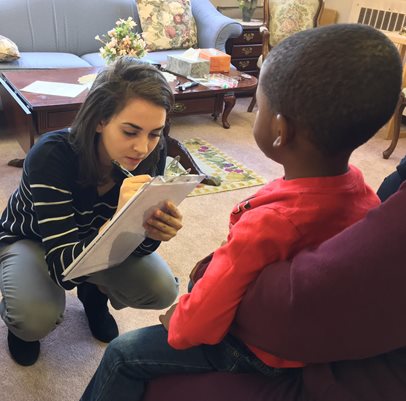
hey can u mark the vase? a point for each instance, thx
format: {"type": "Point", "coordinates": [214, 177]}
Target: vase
{"type": "Point", "coordinates": [248, 10]}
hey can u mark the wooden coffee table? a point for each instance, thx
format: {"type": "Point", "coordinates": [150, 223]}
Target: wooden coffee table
{"type": "Point", "coordinates": [29, 114]}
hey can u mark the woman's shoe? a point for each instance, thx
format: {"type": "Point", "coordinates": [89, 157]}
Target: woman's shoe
{"type": "Point", "coordinates": [101, 322]}
{"type": "Point", "coordinates": [25, 353]}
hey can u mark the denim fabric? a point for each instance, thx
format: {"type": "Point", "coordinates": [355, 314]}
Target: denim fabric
{"type": "Point", "coordinates": [134, 358]}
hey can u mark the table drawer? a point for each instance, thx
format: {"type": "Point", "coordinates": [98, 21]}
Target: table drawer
{"type": "Point", "coordinates": [195, 106]}
{"type": "Point", "coordinates": [53, 120]}
{"type": "Point", "coordinates": [248, 37]}
{"type": "Point", "coordinates": [244, 51]}
{"type": "Point", "coordinates": [245, 64]}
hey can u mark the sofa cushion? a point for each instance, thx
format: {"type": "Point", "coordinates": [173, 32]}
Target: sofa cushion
{"type": "Point", "coordinates": [167, 24]}
{"type": "Point", "coordinates": [45, 60]}
{"type": "Point", "coordinates": [8, 50]}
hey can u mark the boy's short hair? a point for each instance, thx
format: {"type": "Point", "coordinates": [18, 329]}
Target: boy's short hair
{"type": "Point", "coordinates": [340, 82]}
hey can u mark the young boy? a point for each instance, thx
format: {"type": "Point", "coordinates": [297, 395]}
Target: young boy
{"type": "Point", "coordinates": [321, 94]}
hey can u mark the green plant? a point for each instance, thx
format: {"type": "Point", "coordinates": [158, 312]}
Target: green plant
{"type": "Point", "coordinates": [249, 4]}
{"type": "Point", "coordinates": [121, 41]}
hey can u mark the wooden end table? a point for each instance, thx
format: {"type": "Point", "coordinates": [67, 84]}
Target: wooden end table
{"type": "Point", "coordinates": [30, 114]}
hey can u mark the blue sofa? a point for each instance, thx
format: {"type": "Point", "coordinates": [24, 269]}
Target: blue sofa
{"type": "Point", "coordinates": [60, 33]}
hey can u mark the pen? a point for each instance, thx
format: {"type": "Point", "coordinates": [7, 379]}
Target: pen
{"type": "Point", "coordinates": [186, 85]}
{"type": "Point", "coordinates": [123, 169]}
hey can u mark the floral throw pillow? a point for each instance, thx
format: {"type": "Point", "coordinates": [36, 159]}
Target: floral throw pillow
{"type": "Point", "coordinates": [290, 16]}
{"type": "Point", "coordinates": [167, 24]}
{"type": "Point", "coordinates": [8, 50]}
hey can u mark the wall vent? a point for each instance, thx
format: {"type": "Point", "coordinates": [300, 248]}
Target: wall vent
{"type": "Point", "coordinates": [382, 15]}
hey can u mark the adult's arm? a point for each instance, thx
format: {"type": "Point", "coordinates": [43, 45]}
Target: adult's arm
{"type": "Point", "coordinates": [345, 300]}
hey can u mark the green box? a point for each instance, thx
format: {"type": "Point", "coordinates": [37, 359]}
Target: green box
{"type": "Point", "coordinates": [197, 68]}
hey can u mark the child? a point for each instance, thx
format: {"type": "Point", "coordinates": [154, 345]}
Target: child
{"type": "Point", "coordinates": [321, 94]}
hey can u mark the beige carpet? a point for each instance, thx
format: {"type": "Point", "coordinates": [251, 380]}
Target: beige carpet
{"type": "Point", "coordinates": [70, 355]}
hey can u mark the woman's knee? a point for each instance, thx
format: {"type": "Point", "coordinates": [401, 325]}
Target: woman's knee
{"type": "Point", "coordinates": [156, 294]}
{"type": "Point", "coordinates": [32, 321]}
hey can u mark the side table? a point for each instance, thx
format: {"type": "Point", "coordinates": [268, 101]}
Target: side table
{"type": "Point", "coordinates": [246, 49]}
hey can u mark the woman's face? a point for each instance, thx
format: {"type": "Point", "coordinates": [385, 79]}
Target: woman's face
{"type": "Point", "coordinates": [132, 134]}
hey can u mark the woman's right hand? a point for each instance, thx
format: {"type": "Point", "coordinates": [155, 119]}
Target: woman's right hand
{"type": "Point", "coordinates": [129, 187]}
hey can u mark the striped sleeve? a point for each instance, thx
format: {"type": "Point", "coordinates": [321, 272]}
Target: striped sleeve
{"type": "Point", "coordinates": [53, 207]}
{"type": "Point", "coordinates": [49, 173]}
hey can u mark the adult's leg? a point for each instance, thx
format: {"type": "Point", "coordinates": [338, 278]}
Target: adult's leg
{"type": "Point", "coordinates": [32, 304]}
{"type": "Point", "coordinates": [139, 282]}
{"type": "Point", "coordinates": [392, 182]}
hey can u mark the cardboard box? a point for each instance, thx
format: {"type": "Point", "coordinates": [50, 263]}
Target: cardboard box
{"type": "Point", "coordinates": [197, 68]}
{"type": "Point", "coordinates": [219, 61]}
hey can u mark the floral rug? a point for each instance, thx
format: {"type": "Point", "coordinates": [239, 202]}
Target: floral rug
{"type": "Point", "coordinates": [212, 161]}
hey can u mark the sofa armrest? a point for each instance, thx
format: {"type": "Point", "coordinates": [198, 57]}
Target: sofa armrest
{"type": "Point", "coordinates": [213, 28]}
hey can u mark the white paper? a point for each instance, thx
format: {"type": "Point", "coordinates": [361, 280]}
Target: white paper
{"type": "Point", "coordinates": [55, 88]}
{"type": "Point", "coordinates": [191, 54]}
{"type": "Point", "coordinates": [125, 231]}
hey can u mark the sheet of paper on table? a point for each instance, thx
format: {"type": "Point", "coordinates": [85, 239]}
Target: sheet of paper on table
{"type": "Point", "coordinates": [55, 88]}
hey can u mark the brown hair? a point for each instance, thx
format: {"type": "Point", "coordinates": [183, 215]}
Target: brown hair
{"type": "Point", "coordinates": [126, 79]}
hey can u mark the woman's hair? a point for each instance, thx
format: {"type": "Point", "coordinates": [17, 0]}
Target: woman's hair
{"type": "Point", "coordinates": [126, 79]}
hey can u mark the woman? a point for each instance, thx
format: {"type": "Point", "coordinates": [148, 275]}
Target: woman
{"type": "Point", "coordinates": [69, 190]}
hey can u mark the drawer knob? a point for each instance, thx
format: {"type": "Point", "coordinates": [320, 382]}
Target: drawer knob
{"type": "Point", "coordinates": [247, 50]}
{"type": "Point", "coordinates": [179, 107]}
{"type": "Point", "coordinates": [243, 64]}
{"type": "Point", "coordinates": [248, 36]}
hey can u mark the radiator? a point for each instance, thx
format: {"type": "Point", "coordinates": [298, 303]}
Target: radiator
{"type": "Point", "coordinates": [383, 15]}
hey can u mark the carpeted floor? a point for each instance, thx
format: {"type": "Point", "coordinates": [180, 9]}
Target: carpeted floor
{"type": "Point", "coordinates": [70, 355]}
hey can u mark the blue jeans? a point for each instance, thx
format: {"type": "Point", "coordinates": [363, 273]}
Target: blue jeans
{"type": "Point", "coordinates": [134, 358]}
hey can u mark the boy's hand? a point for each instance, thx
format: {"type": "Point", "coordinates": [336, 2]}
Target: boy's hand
{"type": "Point", "coordinates": [164, 223]}
{"type": "Point", "coordinates": [166, 318]}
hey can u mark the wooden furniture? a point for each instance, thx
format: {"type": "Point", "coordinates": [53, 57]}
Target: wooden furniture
{"type": "Point", "coordinates": [299, 24]}
{"type": "Point", "coordinates": [30, 114]}
{"type": "Point", "coordinates": [393, 127]}
{"type": "Point", "coordinates": [246, 49]}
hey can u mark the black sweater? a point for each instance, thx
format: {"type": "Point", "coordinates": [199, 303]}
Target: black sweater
{"type": "Point", "coordinates": [50, 206]}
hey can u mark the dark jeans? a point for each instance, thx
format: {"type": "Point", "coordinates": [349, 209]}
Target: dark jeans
{"type": "Point", "coordinates": [392, 182]}
{"type": "Point", "coordinates": [134, 358]}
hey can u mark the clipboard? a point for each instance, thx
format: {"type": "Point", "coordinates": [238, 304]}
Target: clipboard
{"type": "Point", "coordinates": [125, 232]}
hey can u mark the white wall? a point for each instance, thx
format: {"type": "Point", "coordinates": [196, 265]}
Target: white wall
{"type": "Point", "coordinates": [342, 6]}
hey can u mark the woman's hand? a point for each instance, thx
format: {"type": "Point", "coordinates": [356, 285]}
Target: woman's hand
{"type": "Point", "coordinates": [129, 187]}
{"type": "Point", "coordinates": [164, 223]}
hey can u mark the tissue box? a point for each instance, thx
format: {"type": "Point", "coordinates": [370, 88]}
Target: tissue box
{"type": "Point", "coordinates": [219, 61]}
{"type": "Point", "coordinates": [197, 68]}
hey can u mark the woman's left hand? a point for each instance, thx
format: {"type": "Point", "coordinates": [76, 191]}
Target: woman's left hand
{"type": "Point", "coordinates": [164, 223]}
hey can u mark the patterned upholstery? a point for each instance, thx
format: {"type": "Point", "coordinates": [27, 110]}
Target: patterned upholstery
{"type": "Point", "coordinates": [289, 16]}
{"type": "Point", "coordinates": [167, 24]}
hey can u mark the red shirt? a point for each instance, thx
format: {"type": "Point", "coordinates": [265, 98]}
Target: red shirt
{"type": "Point", "coordinates": [281, 219]}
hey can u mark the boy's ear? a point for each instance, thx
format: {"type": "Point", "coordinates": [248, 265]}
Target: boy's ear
{"type": "Point", "coordinates": [282, 131]}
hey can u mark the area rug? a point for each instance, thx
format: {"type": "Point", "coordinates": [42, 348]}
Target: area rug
{"type": "Point", "coordinates": [212, 161]}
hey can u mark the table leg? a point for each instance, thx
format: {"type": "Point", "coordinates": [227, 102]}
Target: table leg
{"type": "Point", "coordinates": [397, 118]}
{"type": "Point", "coordinates": [229, 103]}
{"type": "Point", "coordinates": [19, 120]}
{"type": "Point", "coordinates": [176, 148]}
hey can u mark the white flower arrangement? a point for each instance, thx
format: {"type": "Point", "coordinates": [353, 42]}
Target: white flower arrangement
{"type": "Point", "coordinates": [122, 41]}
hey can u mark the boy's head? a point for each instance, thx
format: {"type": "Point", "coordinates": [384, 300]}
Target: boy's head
{"type": "Point", "coordinates": [338, 84]}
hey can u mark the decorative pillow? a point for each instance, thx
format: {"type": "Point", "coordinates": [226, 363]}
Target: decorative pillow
{"type": "Point", "coordinates": [167, 24]}
{"type": "Point", "coordinates": [8, 50]}
{"type": "Point", "coordinates": [287, 17]}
